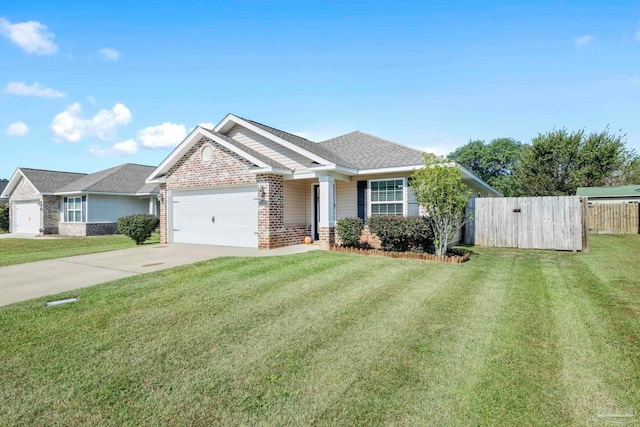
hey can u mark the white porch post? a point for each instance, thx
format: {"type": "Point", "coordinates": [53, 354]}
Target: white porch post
{"type": "Point", "coordinates": [327, 211]}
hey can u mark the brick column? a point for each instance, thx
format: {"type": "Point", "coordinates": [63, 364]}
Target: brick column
{"type": "Point", "coordinates": [270, 210]}
{"type": "Point", "coordinates": [327, 237]}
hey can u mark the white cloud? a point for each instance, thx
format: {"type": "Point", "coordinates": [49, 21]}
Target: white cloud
{"type": "Point", "coordinates": [207, 125]}
{"type": "Point", "coordinates": [109, 54]}
{"type": "Point", "coordinates": [34, 89]}
{"type": "Point", "coordinates": [17, 129]}
{"type": "Point", "coordinates": [583, 40]}
{"type": "Point", "coordinates": [31, 36]}
{"type": "Point", "coordinates": [166, 135]}
{"type": "Point", "coordinates": [129, 146]}
{"type": "Point", "coordinates": [71, 126]}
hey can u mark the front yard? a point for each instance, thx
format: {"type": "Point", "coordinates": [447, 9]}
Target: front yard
{"type": "Point", "coordinates": [18, 251]}
{"type": "Point", "coordinates": [509, 338]}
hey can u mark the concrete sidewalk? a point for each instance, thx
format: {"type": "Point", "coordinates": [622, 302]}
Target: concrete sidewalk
{"type": "Point", "coordinates": [37, 279]}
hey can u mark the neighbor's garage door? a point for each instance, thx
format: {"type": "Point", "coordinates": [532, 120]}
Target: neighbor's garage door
{"type": "Point", "coordinates": [227, 217]}
{"type": "Point", "coordinates": [26, 216]}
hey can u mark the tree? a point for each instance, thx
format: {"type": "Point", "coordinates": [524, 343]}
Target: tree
{"type": "Point", "coordinates": [558, 162]}
{"type": "Point", "coordinates": [439, 189]}
{"type": "Point", "coordinates": [494, 162]}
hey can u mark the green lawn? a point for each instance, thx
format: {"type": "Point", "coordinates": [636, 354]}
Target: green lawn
{"type": "Point", "coordinates": [509, 338]}
{"type": "Point", "coordinates": [19, 251]}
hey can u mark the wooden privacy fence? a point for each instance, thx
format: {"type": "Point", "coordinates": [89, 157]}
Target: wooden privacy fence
{"type": "Point", "coordinates": [558, 223]}
{"type": "Point", "coordinates": [614, 218]}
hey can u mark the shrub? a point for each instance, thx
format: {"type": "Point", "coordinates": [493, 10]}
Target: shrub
{"type": "Point", "coordinates": [138, 227]}
{"type": "Point", "coordinates": [401, 234]}
{"type": "Point", "coordinates": [4, 217]}
{"type": "Point", "coordinates": [349, 230]}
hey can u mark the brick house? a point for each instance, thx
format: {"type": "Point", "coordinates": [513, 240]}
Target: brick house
{"type": "Point", "coordinates": [247, 184]}
{"type": "Point", "coordinates": [78, 204]}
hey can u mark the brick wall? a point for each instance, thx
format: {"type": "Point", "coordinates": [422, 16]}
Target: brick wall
{"type": "Point", "coordinates": [163, 213]}
{"type": "Point", "coordinates": [50, 214]}
{"type": "Point", "coordinates": [73, 229]}
{"type": "Point", "coordinates": [327, 237]}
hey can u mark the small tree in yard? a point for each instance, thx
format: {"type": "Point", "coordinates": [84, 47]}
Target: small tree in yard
{"type": "Point", "coordinates": [138, 227]}
{"type": "Point", "coordinates": [439, 189]}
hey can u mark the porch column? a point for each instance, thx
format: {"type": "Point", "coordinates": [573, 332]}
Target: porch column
{"type": "Point", "coordinates": [326, 230]}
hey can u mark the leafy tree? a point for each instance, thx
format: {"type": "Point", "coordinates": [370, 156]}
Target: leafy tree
{"type": "Point", "coordinates": [558, 162]}
{"type": "Point", "coordinates": [494, 162]}
{"type": "Point", "coordinates": [4, 217]}
{"type": "Point", "coordinates": [439, 189]}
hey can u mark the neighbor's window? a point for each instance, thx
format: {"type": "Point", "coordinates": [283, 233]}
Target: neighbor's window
{"type": "Point", "coordinates": [74, 209]}
{"type": "Point", "coordinates": [387, 197]}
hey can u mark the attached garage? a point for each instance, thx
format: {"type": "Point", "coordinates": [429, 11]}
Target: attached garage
{"type": "Point", "coordinates": [225, 216]}
{"type": "Point", "coordinates": [26, 217]}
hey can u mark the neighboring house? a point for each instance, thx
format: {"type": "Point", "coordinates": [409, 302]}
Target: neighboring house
{"type": "Point", "coordinates": [247, 184]}
{"type": "Point", "coordinates": [625, 193]}
{"type": "Point", "coordinates": [77, 204]}
{"type": "Point", "coordinates": [3, 200]}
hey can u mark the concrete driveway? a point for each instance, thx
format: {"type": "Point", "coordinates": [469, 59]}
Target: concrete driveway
{"type": "Point", "coordinates": [37, 279]}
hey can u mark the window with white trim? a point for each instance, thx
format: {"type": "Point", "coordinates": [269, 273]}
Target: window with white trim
{"type": "Point", "coordinates": [387, 197]}
{"type": "Point", "coordinates": [73, 209]}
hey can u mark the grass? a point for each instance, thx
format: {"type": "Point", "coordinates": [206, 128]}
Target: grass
{"type": "Point", "coordinates": [19, 251]}
{"type": "Point", "coordinates": [509, 338]}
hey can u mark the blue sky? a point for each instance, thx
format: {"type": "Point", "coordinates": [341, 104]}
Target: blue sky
{"type": "Point", "coordinates": [89, 85]}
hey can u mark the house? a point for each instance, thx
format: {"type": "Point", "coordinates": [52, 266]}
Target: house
{"type": "Point", "coordinates": [622, 194]}
{"type": "Point", "coordinates": [247, 184]}
{"type": "Point", "coordinates": [77, 204]}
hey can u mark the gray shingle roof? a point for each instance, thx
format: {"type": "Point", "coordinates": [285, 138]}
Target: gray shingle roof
{"type": "Point", "coordinates": [128, 178]}
{"type": "Point", "coordinates": [312, 147]}
{"type": "Point", "coordinates": [3, 185]}
{"type": "Point", "coordinates": [249, 151]}
{"type": "Point", "coordinates": [364, 151]}
{"type": "Point", "coordinates": [50, 181]}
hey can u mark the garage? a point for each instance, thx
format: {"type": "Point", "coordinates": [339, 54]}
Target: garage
{"type": "Point", "coordinates": [26, 217]}
{"type": "Point", "coordinates": [222, 216]}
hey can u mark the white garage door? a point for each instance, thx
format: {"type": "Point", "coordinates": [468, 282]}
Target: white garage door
{"type": "Point", "coordinates": [27, 217]}
{"type": "Point", "coordinates": [226, 217]}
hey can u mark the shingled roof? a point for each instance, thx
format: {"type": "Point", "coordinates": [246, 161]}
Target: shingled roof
{"type": "Point", "coordinates": [128, 178]}
{"type": "Point", "coordinates": [621, 191]}
{"type": "Point", "coordinates": [363, 151]}
{"type": "Point", "coordinates": [47, 181]}
{"type": "Point", "coordinates": [305, 144]}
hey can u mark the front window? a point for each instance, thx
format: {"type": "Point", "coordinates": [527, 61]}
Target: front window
{"type": "Point", "coordinates": [74, 209]}
{"type": "Point", "coordinates": [387, 197]}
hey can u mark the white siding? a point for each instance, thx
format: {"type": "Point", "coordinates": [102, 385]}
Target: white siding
{"type": "Point", "coordinates": [110, 208]}
{"type": "Point", "coordinates": [297, 200]}
{"type": "Point", "coordinates": [346, 199]}
{"type": "Point", "coordinates": [271, 149]}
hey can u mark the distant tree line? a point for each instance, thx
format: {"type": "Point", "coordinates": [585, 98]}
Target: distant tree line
{"type": "Point", "coordinates": [555, 163]}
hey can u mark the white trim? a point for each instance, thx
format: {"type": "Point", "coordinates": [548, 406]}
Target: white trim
{"type": "Point", "coordinates": [478, 180]}
{"type": "Point", "coordinates": [390, 170]}
{"type": "Point", "coordinates": [100, 193]}
{"type": "Point", "coordinates": [224, 126]}
{"type": "Point", "coordinates": [271, 170]}
{"type": "Point", "coordinates": [405, 194]}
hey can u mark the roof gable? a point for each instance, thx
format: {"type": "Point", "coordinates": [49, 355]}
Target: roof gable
{"type": "Point", "coordinates": [262, 162]}
{"type": "Point", "coordinates": [43, 181]}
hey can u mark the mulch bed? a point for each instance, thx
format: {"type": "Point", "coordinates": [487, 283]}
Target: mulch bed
{"type": "Point", "coordinates": [457, 258]}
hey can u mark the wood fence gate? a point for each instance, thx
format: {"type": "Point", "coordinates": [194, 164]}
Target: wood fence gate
{"type": "Point", "coordinates": [558, 223]}
{"type": "Point", "coordinates": [614, 218]}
